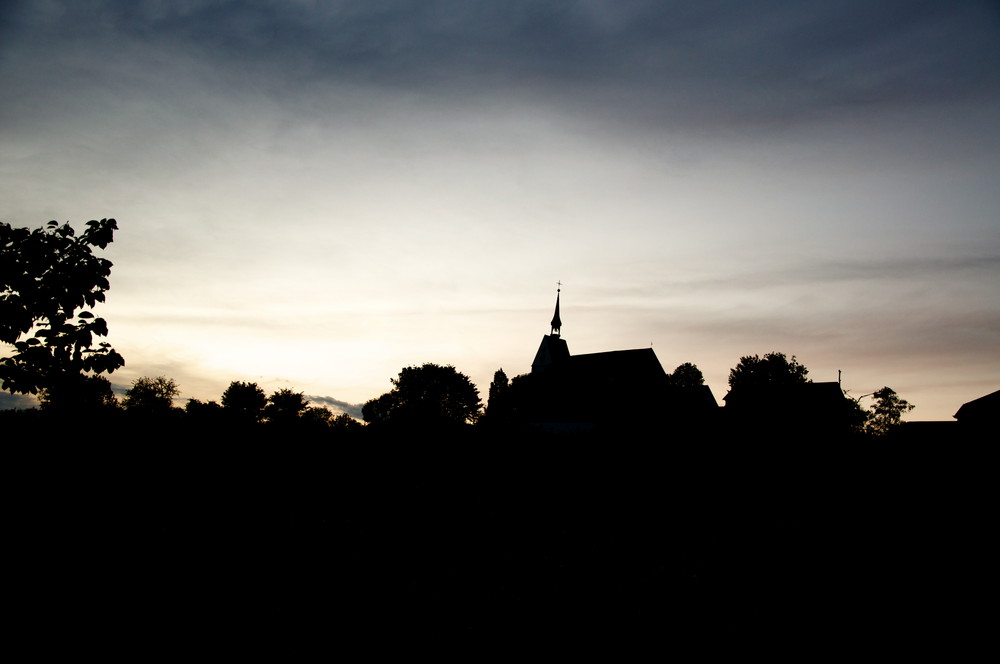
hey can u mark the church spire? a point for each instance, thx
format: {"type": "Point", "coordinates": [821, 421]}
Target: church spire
{"type": "Point", "coordinates": [553, 349]}
{"type": "Point", "coordinates": [556, 323]}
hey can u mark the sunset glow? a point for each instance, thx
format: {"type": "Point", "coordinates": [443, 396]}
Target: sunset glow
{"type": "Point", "coordinates": [316, 195]}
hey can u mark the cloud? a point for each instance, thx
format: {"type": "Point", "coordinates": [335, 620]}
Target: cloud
{"type": "Point", "coordinates": [352, 409]}
{"type": "Point", "coordinates": [751, 280]}
{"type": "Point", "coordinates": [10, 401]}
{"type": "Point", "coordinates": [710, 62]}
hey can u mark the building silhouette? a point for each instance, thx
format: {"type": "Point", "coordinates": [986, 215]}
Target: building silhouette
{"type": "Point", "coordinates": [566, 392]}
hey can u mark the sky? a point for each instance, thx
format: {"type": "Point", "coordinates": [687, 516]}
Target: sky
{"type": "Point", "coordinates": [313, 195]}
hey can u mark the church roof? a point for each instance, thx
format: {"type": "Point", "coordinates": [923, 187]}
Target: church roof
{"type": "Point", "coordinates": [553, 350]}
{"type": "Point", "coordinates": [639, 365]}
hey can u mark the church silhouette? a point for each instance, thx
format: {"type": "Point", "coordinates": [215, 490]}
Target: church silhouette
{"type": "Point", "coordinates": [566, 392]}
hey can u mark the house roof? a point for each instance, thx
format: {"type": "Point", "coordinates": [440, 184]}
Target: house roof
{"type": "Point", "coordinates": [978, 410]}
{"type": "Point", "coordinates": [814, 394]}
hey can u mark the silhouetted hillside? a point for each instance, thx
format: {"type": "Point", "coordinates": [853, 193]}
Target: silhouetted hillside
{"type": "Point", "coordinates": [482, 534]}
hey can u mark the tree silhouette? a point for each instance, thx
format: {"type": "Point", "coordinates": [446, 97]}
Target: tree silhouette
{"type": "Point", "coordinates": [317, 417]}
{"type": "Point", "coordinates": [770, 395]}
{"type": "Point", "coordinates": [886, 413]}
{"type": "Point", "coordinates": [151, 396]}
{"type": "Point", "coordinates": [686, 376]}
{"type": "Point", "coordinates": [855, 416]}
{"type": "Point", "coordinates": [774, 370]}
{"type": "Point", "coordinates": [203, 411]}
{"type": "Point", "coordinates": [285, 406]}
{"type": "Point", "coordinates": [244, 400]}
{"type": "Point", "coordinates": [345, 422]}
{"type": "Point", "coordinates": [429, 395]}
{"type": "Point", "coordinates": [78, 393]}
{"type": "Point", "coordinates": [46, 276]}
{"type": "Point", "coordinates": [499, 386]}
{"type": "Point", "coordinates": [380, 409]}
{"type": "Point", "coordinates": [498, 409]}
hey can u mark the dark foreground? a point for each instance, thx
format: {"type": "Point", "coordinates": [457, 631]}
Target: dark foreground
{"type": "Point", "coordinates": [495, 539]}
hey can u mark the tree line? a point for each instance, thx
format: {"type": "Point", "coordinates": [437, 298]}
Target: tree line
{"type": "Point", "coordinates": [52, 280]}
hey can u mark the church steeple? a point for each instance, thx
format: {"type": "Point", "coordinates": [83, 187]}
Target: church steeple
{"type": "Point", "coordinates": [556, 322]}
{"type": "Point", "coordinates": [553, 349]}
